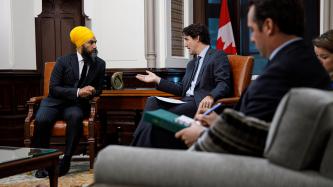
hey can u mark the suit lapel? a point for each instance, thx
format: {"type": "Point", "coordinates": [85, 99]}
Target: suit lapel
{"type": "Point", "coordinates": [75, 67]}
{"type": "Point", "coordinates": [204, 65]}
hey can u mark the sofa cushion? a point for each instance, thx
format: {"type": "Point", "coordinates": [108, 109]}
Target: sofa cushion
{"type": "Point", "coordinates": [300, 129]}
{"type": "Point", "coordinates": [235, 133]}
{"type": "Point", "coordinates": [326, 166]}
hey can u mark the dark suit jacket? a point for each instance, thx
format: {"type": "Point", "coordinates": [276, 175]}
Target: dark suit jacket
{"type": "Point", "coordinates": [214, 78]}
{"type": "Point", "coordinates": [65, 77]}
{"type": "Point", "coordinates": [294, 66]}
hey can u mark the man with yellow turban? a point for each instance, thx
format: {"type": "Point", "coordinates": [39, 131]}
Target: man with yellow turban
{"type": "Point", "coordinates": [75, 79]}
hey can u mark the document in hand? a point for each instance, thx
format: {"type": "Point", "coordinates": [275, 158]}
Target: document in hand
{"type": "Point", "coordinates": [170, 100]}
{"type": "Point", "coordinates": [166, 120]}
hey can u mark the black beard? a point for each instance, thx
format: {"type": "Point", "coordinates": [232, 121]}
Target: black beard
{"type": "Point", "coordinates": [89, 56]}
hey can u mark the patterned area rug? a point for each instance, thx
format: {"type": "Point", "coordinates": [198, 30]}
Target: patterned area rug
{"type": "Point", "coordinates": [78, 176]}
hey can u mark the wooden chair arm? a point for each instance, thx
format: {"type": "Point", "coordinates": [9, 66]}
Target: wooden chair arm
{"type": "Point", "coordinates": [32, 103]}
{"type": "Point", "coordinates": [35, 100]}
{"type": "Point", "coordinates": [228, 101]}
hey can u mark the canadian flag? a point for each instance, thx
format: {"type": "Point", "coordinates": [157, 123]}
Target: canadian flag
{"type": "Point", "coordinates": [225, 37]}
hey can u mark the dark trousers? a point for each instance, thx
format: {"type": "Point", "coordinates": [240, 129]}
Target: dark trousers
{"type": "Point", "coordinates": [46, 117]}
{"type": "Point", "coordinates": [148, 135]}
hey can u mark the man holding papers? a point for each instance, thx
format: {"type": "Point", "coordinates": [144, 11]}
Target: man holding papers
{"type": "Point", "coordinates": [207, 78]}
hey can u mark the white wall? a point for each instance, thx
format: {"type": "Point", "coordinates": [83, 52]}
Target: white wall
{"type": "Point", "coordinates": [17, 32]}
{"type": "Point", "coordinates": [326, 15]}
{"type": "Point", "coordinates": [5, 35]}
{"type": "Point", "coordinates": [117, 24]}
{"type": "Point", "coordinates": [119, 29]}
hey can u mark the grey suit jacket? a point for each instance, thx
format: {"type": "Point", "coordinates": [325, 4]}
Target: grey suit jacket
{"type": "Point", "coordinates": [214, 78]}
{"type": "Point", "coordinates": [65, 77]}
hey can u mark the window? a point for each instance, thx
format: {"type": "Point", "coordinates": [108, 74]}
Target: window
{"type": "Point", "coordinates": [212, 18]}
{"type": "Point", "coordinates": [171, 17]}
{"type": "Point", "coordinates": [177, 24]}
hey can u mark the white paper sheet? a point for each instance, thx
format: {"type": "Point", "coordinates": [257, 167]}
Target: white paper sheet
{"type": "Point", "coordinates": [170, 100]}
{"type": "Point", "coordinates": [184, 120]}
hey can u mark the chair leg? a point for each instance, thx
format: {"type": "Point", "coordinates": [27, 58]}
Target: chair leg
{"type": "Point", "coordinates": [91, 143]}
{"type": "Point", "coordinates": [27, 137]}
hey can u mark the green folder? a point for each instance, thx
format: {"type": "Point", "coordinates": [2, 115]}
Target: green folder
{"type": "Point", "coordinates": [163, 119]}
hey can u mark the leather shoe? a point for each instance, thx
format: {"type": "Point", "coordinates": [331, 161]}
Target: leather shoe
{"type": "Point", "coordinates": [64, 166]}
{"type": "Point", "coordinates": [41, 173]}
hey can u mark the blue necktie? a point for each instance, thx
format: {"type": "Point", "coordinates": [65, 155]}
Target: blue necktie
{"type": "Point", "coordinates": [195, 68]}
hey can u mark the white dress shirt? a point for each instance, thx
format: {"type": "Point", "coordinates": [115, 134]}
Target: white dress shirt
{"type": "Point", "coordinates": [190, 91]}
{"type": "Point", "coordinates": [81, 64]}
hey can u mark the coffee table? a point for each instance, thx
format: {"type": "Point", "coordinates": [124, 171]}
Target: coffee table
{"type": "Point", "coordinates": [15, 160]}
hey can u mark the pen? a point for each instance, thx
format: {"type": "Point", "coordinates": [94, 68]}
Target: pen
{"type": "Point", "coordinates": [212, 109]}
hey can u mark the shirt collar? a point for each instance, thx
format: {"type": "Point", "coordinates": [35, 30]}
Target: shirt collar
{"type": "Point", "coordinates": [331, 75]}
{"type": "Point", "coordinates": [203, 52]}
{"type": "Point", "coordinates": [79, 57]}
{"type": "Point", "coordinates": [282, 46]}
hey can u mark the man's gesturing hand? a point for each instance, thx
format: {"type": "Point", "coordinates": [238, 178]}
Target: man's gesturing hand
{"type": "Point", "coordinates": [151, 77]}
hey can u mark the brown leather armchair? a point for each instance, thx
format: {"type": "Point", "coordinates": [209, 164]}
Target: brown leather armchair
{"type": "Point", "coordinates": [241, 68]}
{"type": "Point", "coordinates": [90, 124]}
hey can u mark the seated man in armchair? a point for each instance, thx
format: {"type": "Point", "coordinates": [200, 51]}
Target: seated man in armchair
{"type": "Point", "coordinates": [75, 79]}
{"type": "Point", "coordinates": [207, 79]}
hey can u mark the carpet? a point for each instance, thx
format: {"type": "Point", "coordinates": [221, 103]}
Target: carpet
{"type": "Point", "coordinates": [78, 176]}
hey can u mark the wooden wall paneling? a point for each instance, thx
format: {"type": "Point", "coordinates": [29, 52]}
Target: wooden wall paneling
{"type": "Point", "coordinates": [19, 86]}
{"type": "Point", "coordinates": [11, 130]}
{"type": "Point", "coordinates": [5, 95]}
{"type": "Point", "coordinates": [120, 127]}
{"type": "Point", "coordinates": [16, 88]}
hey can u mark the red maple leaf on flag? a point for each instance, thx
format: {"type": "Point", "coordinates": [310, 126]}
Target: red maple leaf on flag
{"type": "Point", "coordinates": [225, 37]}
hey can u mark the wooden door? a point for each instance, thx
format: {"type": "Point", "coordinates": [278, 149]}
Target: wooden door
{"type": "Point", "coordinates": [53, 25]}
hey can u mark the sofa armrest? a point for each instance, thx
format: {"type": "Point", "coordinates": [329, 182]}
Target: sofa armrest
{"type": "Point", "coordinates": [120, 165]}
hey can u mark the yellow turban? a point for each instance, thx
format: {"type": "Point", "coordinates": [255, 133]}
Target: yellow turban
{"type": "Point", "coordinates": [80, 35]}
